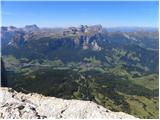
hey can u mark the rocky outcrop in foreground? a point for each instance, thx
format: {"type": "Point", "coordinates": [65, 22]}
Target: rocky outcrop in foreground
{"type": "Point", "coordinates": [28, 106]}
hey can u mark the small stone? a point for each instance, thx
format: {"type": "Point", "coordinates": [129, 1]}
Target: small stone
{"type": "Point", "coordinates": [21, 107]}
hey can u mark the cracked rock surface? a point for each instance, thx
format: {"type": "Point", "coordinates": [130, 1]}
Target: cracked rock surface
{"type": "Point", "coordinates": [14, 105]}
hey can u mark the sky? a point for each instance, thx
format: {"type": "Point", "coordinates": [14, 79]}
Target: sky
{"type": "Point", "coordinates": [64, 14]}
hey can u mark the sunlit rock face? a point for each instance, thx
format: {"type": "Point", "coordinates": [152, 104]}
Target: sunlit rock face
{"type": "Point", "coordinates": [15, 105]}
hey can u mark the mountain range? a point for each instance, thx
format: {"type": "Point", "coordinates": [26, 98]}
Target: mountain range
{"type": "Point", "coordinates": [116, 68]}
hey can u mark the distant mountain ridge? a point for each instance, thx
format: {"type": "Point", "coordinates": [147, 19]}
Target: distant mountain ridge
{"type": "Point", "coordinates": [34, 32]}
{"type": "Point", "coordinates": [132, 29]}
{"type": "Point", "coordinates": [43, 43]}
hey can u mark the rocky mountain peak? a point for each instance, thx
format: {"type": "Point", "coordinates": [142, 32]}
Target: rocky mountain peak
{"type": "Point", "coordinates": [82, 29]}
{"type": "Point", "coordinates": [11, 28]}
{"type": "Point", "coordinates": [31, 27]}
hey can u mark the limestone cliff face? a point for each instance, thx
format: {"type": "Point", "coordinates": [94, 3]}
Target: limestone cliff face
{"type": "Point", "coordinates": [18, 105]}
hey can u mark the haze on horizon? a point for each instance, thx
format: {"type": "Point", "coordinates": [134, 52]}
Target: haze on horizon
{"type": "Point", "coordinates": [64, 14]}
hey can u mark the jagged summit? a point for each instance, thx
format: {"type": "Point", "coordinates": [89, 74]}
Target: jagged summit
{"type": "Point", "coordinates": [84, 36]}
{"type": "Point", "coordinates": [83, 29]}
{"type": "Point", "coordinates": [31, 27]}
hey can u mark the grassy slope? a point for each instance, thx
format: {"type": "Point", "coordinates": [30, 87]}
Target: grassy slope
{"type": "Point", "coordinates": [108, 90]}
{"type": "Point", "coordinates": [148, 81]}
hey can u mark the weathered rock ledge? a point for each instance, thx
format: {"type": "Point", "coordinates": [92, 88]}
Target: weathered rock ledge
{"type": "Point", "coordinates": [28, 106]}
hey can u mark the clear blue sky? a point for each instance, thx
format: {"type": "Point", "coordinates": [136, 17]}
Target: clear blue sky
{"type": "Point", "coordinates": [59, 14]}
